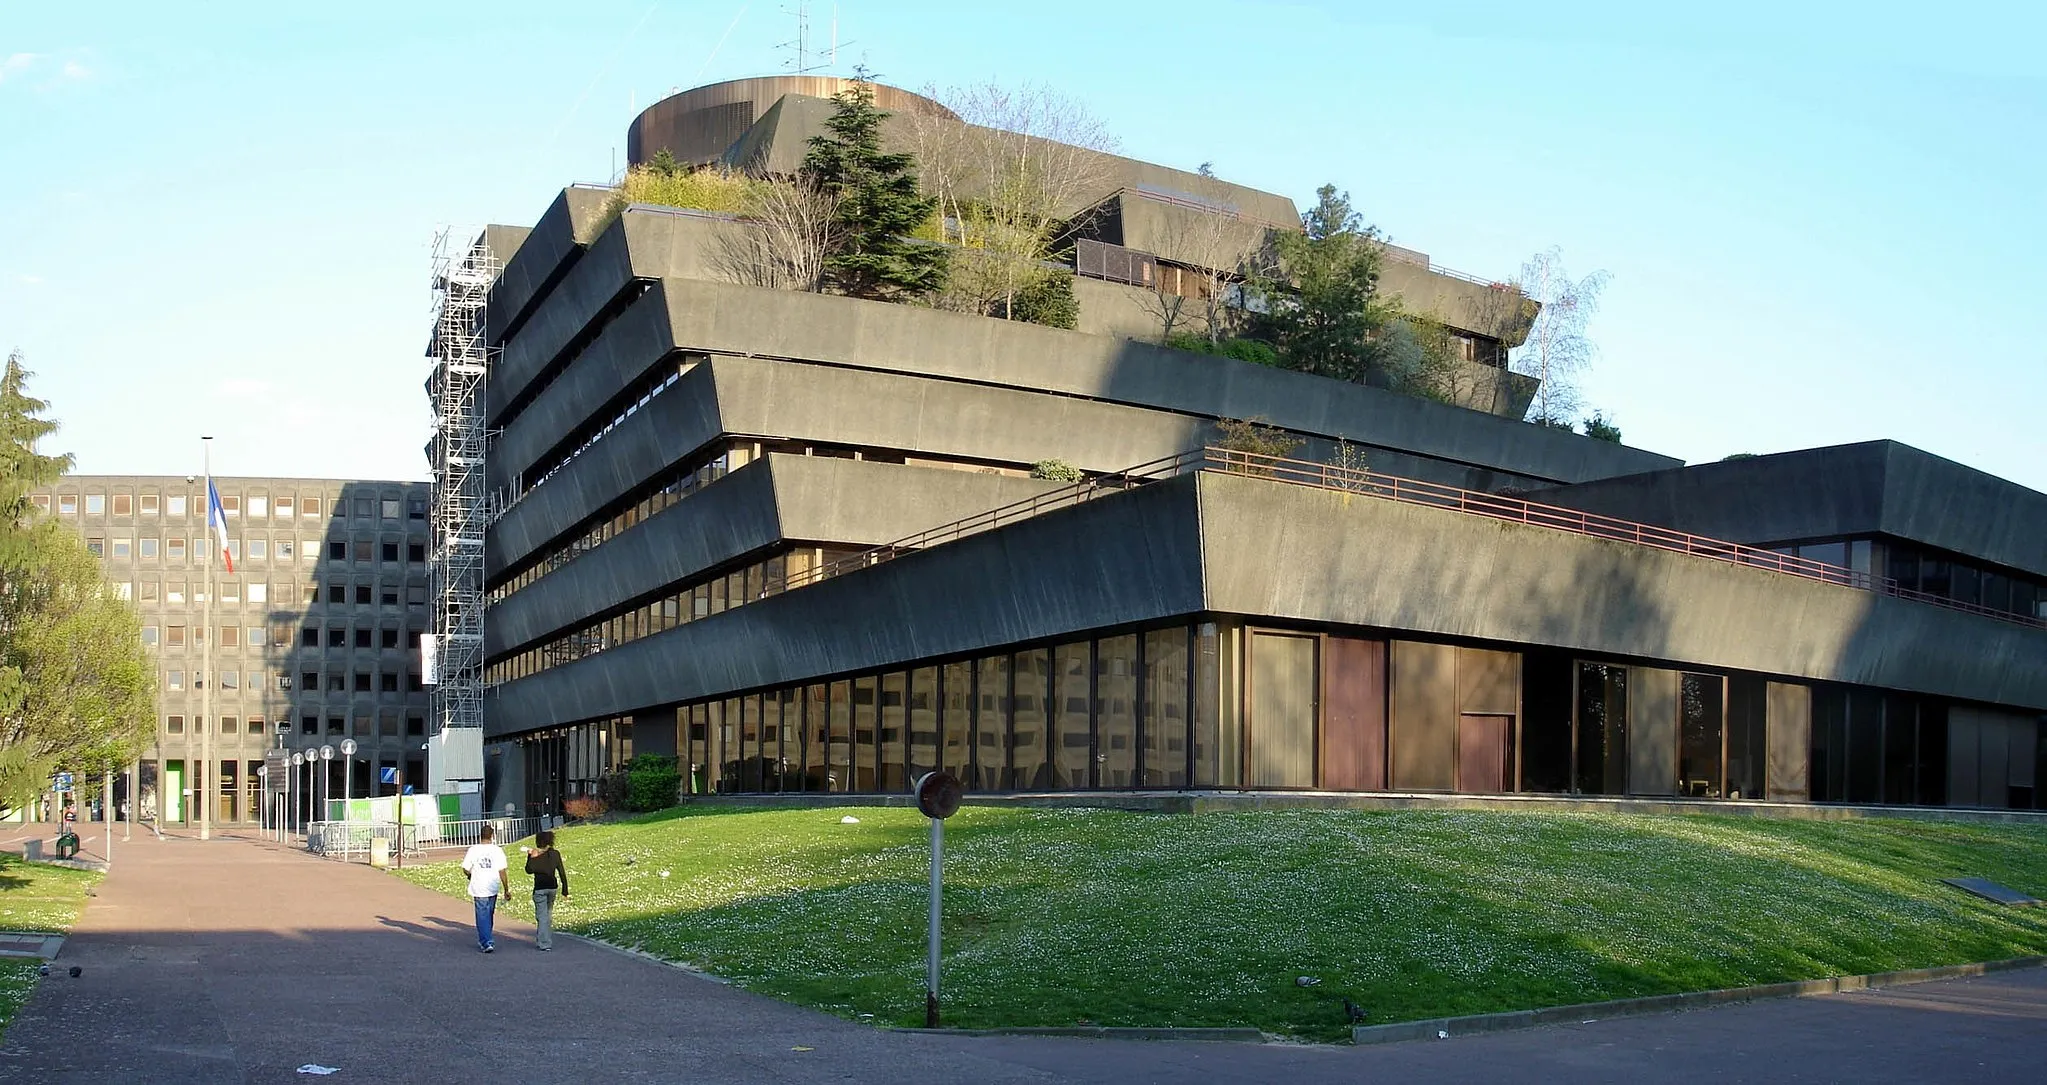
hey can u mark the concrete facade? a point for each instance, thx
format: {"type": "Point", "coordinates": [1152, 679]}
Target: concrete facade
{"type": "Point", "coordinates": [315, 632]}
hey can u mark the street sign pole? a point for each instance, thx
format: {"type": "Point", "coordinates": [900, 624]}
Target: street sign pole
{"type": "Point", "coordinates": [938, 796]}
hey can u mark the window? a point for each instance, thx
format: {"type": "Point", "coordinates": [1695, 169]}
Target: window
{"type": "Point", "coordinates": [174, 636]}
{"type": "Point", "coordinates": [388, 638]}
{"type": "Point", "coordinates": [234, 549]}
{"type": "Point", "coordinates": [255, 725]}
{"type": "Point", "coordinates": [337, 636]}
{"type": "Point", "coordinates": [362, 595]}
{"type": "Point", "coordinates": [284, 549]}
{"type": "Point", "coordinates": [365, 550]}
{"type": "Point", "coordinates": [174, 549]}
{"type": "Point", "coordinates": [389, 595]}
{"type": "Point", "coordinates": [230, 680]}
{"type": "Point", "coordinates": [259, 593]}
{"type": "Point", "coordinates": [415, 725]}
{"type": "Point", "coordinates": [149, 591]}
{"type": "Point", "coordinates": [259, 548]}
{"type": "Point", "coordinates": [174, 679]}
{"type": "Point", "coordinates": [337, 683]}
{"type": "Point", "coordinates": [95, 504]}
{"type": "Point", "coordinates": [174, 505]}
{"type": "Point", "coordinates": [362, 682]}
{"type": "Point", "coordinates": [231, 504]}
{"type": "Point", "coordinates": [362, 637]}
{"type": "Point", "coordinates": [283, 506]}
{"type": "Point", "coordinates": [309, 681]}
{"type": "Point", "coordinates": [310, 507]}
{"type": "Point", "coordinates": [336, 725]}
{"type": "Point", "coordinates": [254, 636]}
{"type": "Point", "coordinates": [174, 725]}
{"type": "Point", "coordinates": [337, 550]}
{"type": "Point", "coordinates": [362, 508]}
{"type": "Point", "coordinates": [148, 504]}
{"type": "Point", "coordinates": [124, 504]}
{"type": "Point", "coordinates": [67, 504]}
{"type": "Point", "coordinates": [415, 593]}
{"type": "Point", "coordinates": [415, 553]}
{"type": "Point", "coordinates": [337, 593]}
{"type": "Point", "coordinates": [230, 592]}
{"type": "Point", "coordinates": [96, 545]}
{"type": "Point", "coordinates": [40, 501]}
{"type": "Point", "coordinates": [310, 549]}
{"type": "Point", "coordinates": [309, 637]}
{"type": "Point", "coordinates": [390, 551]}
{"type": "Point", "coordinates": [124, 591]}
{"type": "Point", "coordinates": [149, 633]}
{"type": "Point", "coordinates": [120, 548]}
{"type": "Point", "coordinates": [390, 508]}
{"type": "Point", "coordinates": [230, 636]}
{"type": "Point", "coordinates": [146, 548]}
{"type": "Point", "coordinates": [414, 683]}
{"type": "Point", "coordinates": [415, 508]}
{"type": "Point", "coordinates": [259, 506]}
{"type": "Point", "coordinates": [387, 682]}
{"type": "Point", "coordinates": [284, 683]}
{"type": "Point", "coordinates": [309, 725]}
{"type": "Point", "coordinates": [309, 593]}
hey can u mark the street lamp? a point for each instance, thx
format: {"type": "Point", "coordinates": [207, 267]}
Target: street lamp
{"type": "Point", "coordinates": [347, 774]}
{"type": "Point", "coordinates": [326, 780]}
{"type": "Point", "coordinates": [297, 759]}
{"type": "Point", "coordinates": [263, 789]}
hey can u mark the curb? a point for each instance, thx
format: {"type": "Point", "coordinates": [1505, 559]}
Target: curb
{"type": "Point", "coordinates": [1104, 1032]}
{"type": "Point", "coordinates": [645, 956]}
{"type": "Point", "coordinates": [1444, 1028]}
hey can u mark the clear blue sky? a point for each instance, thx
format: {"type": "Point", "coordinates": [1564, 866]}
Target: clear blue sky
{"type": "Point", "coordinates": [1824, 223]}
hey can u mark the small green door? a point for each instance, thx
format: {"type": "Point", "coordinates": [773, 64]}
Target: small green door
{"type": "Point", "coordinates": [171, 792]}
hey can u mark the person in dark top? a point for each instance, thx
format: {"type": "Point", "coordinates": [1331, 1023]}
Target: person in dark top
{"type": "Point", "coordinates": [550, 879]}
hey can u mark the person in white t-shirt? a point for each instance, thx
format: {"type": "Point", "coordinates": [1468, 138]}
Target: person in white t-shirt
{"type": "Point", "coordinates": [488, 874]}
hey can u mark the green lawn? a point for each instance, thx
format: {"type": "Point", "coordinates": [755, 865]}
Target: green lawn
{"type": "Point", "coordinates": [1059, 917]}
{"type": "Point", "coordinates": [34, 897]}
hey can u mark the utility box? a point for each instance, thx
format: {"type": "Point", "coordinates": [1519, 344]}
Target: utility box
{"type": "Point", "coordinates": [454, 761]}
{"type": "Point", "coordinates": [380, 851]}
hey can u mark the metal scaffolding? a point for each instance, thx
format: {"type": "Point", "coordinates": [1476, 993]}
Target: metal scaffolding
{"type": "Point", "coordinates": [463, 274]}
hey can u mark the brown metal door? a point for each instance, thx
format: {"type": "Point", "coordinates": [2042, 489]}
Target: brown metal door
{"type": "Point", "coordinates": [1353, 715]}
{"type": "Point", "coordinates": [1482, 748]}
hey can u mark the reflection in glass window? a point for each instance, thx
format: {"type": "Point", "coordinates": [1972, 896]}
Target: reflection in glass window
{"type": "Point", "coordinates": [991, 723]}
{"type": "Point", "coordinates": [1116, 711]}
{"type": "Point", "coordinates": [1602, 729]}
{"type": "Point", "coordinates": [1700, 699]}
{"type": "Point", "coordinates": [1072, 747]}
{"type": "Point", "coordinates": [1030, 769]}
{"type": "Point", "coordinates": [894, 732]}
{"type": "Point", "coordinates": [1164, 726]}
{"type": "Point", "coordinates": [923, 722]}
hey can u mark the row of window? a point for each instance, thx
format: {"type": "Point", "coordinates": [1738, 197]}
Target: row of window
{"type": "Point", "coordinates": [361, 725]}
{"type": "Point", "coordinates": [667, 489]}
{"type": "Point", "coordinates": [256, 681]}
{"type": "Point", "coordinates": [387, 593]}
{"type": "Point", "coordinates": [1944, 576]}
{"type": "Point", "coordinates": [361, 551]}
{"type": "Point", "coordinates": [235, 506]}
{"type": "Point", "coordinates": [358, 636]}
{"type": "Point", "coordinates": [258, 636]}
{"type": "Point", "coordinates": [689, 602]}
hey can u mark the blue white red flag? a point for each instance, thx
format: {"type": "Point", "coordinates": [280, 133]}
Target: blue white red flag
{"type": "Point", "coordinates": [216, 523]}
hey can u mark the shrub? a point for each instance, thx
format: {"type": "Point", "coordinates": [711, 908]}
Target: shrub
{"type": "Point", "coordinates": [1056, 471]}
{"type": "Point", "coordinates": [585, 808]}
{"type": "Point", "coordinates": [1600, 428]}
{"type": "Point", "coordinates": [1253, 436]}
{"type": "Point", "coordinates": [1049, 301]}
{"type": "Point", "coordinates": [652, 783]}
{"type": "Point", "coordinates": [1255, 351]}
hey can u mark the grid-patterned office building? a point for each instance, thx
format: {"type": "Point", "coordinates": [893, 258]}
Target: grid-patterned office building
{"type": "Point", "coordinates": [315, 634]}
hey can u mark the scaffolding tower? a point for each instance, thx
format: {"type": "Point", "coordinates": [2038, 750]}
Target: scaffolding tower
{"type": "Point", "coordinates": [463, 274]}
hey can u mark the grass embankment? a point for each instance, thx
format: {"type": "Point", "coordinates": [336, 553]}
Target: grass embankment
{"type": "Point", "coordinates": [34, 897]}
{"type": "Point", "coordinates": [1069, 916]}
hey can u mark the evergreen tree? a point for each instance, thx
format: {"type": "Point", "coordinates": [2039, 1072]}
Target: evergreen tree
{"type": "Point", "coordinates": [77, 689]}
{"type": "Point", "coordinates": [1323, 313]}
{"type": "Point", "coordinates": [879, 204]}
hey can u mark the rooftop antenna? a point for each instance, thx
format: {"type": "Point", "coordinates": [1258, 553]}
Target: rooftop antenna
{"type": "Point", "coordinates": [799, 62]}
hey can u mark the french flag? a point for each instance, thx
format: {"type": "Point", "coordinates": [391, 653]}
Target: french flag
{"type": "Point", "coordinates": [216, 521]}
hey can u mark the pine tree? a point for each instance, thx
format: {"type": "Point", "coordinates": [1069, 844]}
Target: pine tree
{"type": "Point", "coordinates": [879, 205]}
{"type": "Point", "coordinates": [1325, 314]}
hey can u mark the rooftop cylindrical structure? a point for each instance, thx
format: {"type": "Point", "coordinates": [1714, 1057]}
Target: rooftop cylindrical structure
{"type": "Point", "coordinates": [697, 125]}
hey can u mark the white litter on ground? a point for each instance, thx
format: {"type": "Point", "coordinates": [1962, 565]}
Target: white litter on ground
{"type": "Point", "coordinates": [316, 1068]}
{"type": "Point", "coordinates": [849, 820]}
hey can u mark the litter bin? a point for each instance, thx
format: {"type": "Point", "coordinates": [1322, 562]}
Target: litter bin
{"type": "Point", "coordinates": [67, 845]}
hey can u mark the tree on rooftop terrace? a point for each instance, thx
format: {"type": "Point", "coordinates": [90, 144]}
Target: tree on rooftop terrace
{"type": "Point", "coordinates": [1216, 251]}
{"type": "Point", "coordinates": [1323, 310]}
{"type": "Point", "coordinates": [1557, 349]}
{"type": "Point", "coordinates": [879, 204]}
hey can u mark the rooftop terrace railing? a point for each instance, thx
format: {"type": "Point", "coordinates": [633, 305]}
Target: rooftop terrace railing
{"type": "Point", "coordinates": [1326, 476]}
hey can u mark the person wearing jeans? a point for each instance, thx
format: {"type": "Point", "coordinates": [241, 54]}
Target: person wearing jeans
{"type": "Point", "coordinates": [550, 878]}
{"type": "Point", "coordinates": [488, 873]}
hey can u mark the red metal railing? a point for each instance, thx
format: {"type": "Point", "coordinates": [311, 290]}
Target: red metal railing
{"type": "Point", "coordinates": [1327, 476]}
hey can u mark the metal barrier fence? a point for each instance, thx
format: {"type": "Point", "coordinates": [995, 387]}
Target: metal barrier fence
{"type": "Point", "coordinates": [352, 841]}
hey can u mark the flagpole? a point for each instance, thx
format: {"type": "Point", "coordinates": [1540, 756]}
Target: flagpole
{"type": "Point", "coordinates": [206, 659]}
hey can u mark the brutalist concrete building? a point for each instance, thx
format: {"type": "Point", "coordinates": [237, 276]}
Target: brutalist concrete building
{"type": "Point", "coordinates": [795, 540]}
{"type": "Point", "coordinates": [315, 633]}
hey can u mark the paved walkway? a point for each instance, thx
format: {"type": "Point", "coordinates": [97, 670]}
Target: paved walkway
{"type": "Point", "coordinates": [238, 961]}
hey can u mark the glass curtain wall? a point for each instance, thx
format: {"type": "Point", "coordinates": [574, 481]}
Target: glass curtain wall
{"type": "Point", "coordinates": [1602, 760]}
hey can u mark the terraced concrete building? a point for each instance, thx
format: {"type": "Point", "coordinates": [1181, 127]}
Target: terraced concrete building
{"type": "Point", "coordinates": [796, 540]}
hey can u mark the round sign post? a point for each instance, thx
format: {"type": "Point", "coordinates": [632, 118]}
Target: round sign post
{"type": "Point", "coordinates": [347, 775]}
{"type": "Point", "coordinates": [938, 796]}
{"type": "Point", "coordinates": [298, 758]}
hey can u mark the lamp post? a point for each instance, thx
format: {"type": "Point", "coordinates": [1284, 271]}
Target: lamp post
{"type": "Point", "coordinates": [326, 780]}
{"type": "Point", "coordinates": [297, 759]}
{"type": "Point", "coordinates": [263, 789]}
{"type": "Point", "coordinates": [347, 775]}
